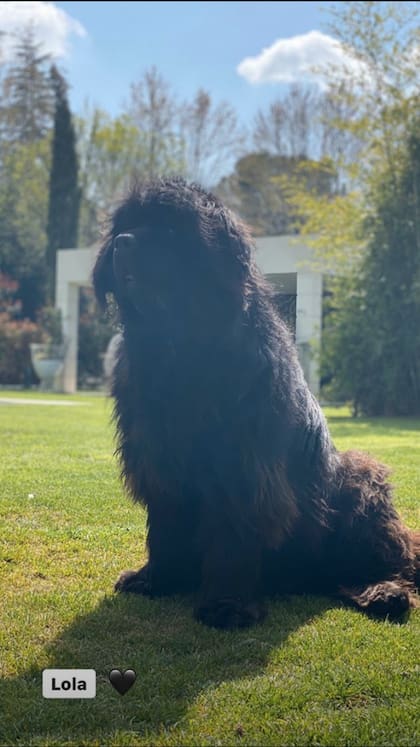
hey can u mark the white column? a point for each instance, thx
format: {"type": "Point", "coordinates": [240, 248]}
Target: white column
{"type": "Point", "coordinates": [74, 268]}
{"type": "Point", "coordinates": [67, 300]}
{"type": "Point", "coordinates": [308, 324]}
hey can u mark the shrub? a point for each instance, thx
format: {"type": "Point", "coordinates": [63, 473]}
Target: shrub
{"type": "Point", "coordinates": [15, 357]}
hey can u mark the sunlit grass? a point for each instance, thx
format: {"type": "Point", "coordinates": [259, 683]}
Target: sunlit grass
{"type": "Point", "coordinates": [313, 673]}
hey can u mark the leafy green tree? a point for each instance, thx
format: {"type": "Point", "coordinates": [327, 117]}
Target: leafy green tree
{"type": "Point", "coordinates": [25, 122]}
{"type": "Point", "coordinates": [373, 336]}
{"type": "Point", "coordinates": [64, 192]}
{"type": "Point", "coordinates": [258, 190]}
{"type": "Point", "coordinates": [369, 237]}
{"type": "Point", "coordinates": [23, 219]}
{"type": "Point", "coordinates": [111, 156]}
{"type": "Point", "coordinates": [381, 40]}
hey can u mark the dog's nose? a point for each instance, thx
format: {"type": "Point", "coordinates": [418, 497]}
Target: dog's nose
{"type": "Point", "coordinates": [125, 242]}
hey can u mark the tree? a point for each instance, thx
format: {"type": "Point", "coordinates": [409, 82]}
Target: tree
{"type": "Point", "coordinates": [27, 97]}
{"type": "Point", "coordinates": [338, 140]}
{"type": "Point", "coordinates": [370, 340]}
{"type": "Point", "coordinates": [111, 155]}
{"type": "Point", "coordinates": [269, 134]}
{"type": "Point", "coordinates": [23, 218]}
{"type": "Point", "coordinates": [306, 123]}
{"type": "Point", "coordinates": [289, 127]}
{"type": "Point", "coordinates": [258, 190]}
{"type": "Point", "coordinates": [211, 137]}
{"type": "Point", "coordinates": [64, 192]}
{"type": "Point", "coordinates": [381, 78]}
{"type": "Point", "coordinates": [154, 110]}
{"type": "Point", "coordinates": [25, 121]}
{"type": "Point", "coordinates": [373, 335]}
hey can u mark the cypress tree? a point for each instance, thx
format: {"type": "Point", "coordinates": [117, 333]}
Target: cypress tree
{"type": "Point", "coordinates": [64, 192]}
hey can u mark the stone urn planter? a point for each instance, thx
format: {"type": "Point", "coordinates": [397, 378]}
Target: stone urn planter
{"type": "Point", "coordinates": [48, 360]}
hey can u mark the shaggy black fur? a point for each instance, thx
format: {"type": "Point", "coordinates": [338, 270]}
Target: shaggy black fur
{"type": "Point", "coordinates": [219, 435]}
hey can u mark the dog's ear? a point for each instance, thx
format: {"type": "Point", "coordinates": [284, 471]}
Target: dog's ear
{"type": "Point", "coordinates": [103, 273]}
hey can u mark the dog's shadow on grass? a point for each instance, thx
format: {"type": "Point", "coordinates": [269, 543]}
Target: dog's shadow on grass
{"type": "Point", "coordinates": [175, 659]}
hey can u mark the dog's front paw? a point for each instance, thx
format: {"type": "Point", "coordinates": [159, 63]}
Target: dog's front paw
{"type": "Point", "coordinates": [134, 582]}
{"type": "Point", "coordinates": [229, 613]}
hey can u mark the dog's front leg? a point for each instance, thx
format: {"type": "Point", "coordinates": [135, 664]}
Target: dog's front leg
{"type": "Point", "coordinates": [229, 595]}
{"type": "Point", "coordinates": [172, 566]}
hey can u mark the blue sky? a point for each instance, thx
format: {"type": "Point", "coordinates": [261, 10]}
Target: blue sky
{"type": "Point", "coordinates": [104, 46]}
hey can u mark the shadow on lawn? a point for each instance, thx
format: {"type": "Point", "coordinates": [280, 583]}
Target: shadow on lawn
{"type": "Point", "coordinates": [175, 659]}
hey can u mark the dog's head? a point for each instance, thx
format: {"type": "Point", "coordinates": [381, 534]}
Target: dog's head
{"type": "Point", "coordinates": [173, 252]}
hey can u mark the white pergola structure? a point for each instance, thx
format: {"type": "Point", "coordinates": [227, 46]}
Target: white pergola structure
{"type": "Point", "coordinates": [73, 271]}
{"type": "Point", "coordinates": [283, 259]}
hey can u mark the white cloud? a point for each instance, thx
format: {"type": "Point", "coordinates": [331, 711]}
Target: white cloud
{"type": "Point", "coordinates": [52, 26]}
{"type": "Point", "coordinates": [293, 60]}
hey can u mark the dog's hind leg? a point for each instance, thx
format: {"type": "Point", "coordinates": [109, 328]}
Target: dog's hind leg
{"type": "Point", "coordinates": [372, 554]}
{"type": "Point", "coordinates": [415, 540]}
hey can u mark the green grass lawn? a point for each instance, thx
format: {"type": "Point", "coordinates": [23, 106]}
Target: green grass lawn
{"type": "Point", "coordinates": [313, 673]}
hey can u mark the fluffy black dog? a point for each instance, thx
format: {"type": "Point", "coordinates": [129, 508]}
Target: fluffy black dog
{"type": "Point", "coordinates": [219, 435]}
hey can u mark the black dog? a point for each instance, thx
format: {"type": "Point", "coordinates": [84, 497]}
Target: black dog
{"type": "Point", "coordinates": [219, 435]}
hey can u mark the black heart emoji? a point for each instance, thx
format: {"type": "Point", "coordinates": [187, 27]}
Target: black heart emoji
{"type": "Point", "coordinates": [122, 681]}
